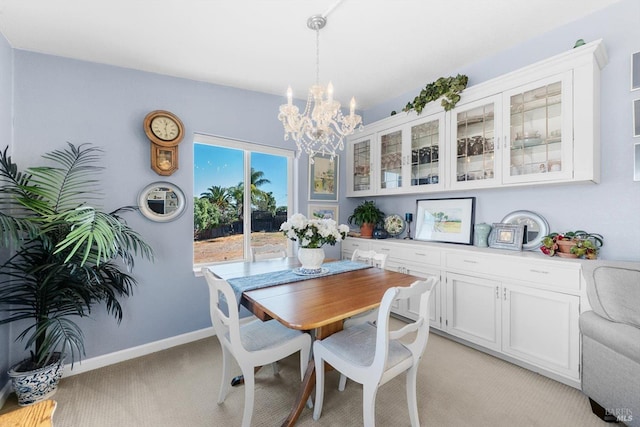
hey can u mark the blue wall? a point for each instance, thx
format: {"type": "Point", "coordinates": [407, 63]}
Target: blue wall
{"type": "Point", "coordinates": [58, 100]}
{"type": "Point", "coordinates": [610, 208]}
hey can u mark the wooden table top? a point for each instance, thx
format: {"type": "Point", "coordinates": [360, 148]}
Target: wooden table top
{"type": "Point", "coordinates": [314, 302]}
{"type": "Point", "coordinates": [36, 415]}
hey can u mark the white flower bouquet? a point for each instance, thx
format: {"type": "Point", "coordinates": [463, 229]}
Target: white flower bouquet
{"type": "Point", "coordinates": [313, 233]}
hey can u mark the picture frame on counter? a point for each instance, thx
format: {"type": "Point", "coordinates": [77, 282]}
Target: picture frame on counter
{"type": "Point", "coordinates": [635, 71]}
{"type": "Point", "coordinates": [448, 220]}
{"type": "Point", "coordinates": [323, 178]}
{"type": "Point", "coordinates": [636, 118]}
{"type": "Point", "coordinates": [506, 236]}
{"type": "Point", "coordinates": [636, 162]}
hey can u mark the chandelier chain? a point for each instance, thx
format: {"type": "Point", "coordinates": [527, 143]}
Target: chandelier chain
{"type": "Point", "coordinates": [317, 55]}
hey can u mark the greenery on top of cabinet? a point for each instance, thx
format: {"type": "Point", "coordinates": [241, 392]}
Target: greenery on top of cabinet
{"type": "Point", "coordinates": [447, 88]}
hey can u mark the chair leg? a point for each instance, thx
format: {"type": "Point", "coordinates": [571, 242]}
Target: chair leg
{"type": "Point", "coordinates": [317, 410]}
{"type": "Point", "coordinates": [275, 367]}
{"type": "Point", "coordinates": [412, 399]}
{"type": "Point", "coordinates": [249, 388]}
{"type": "Point", "coordinates": [343, 382]}
{"type": "Point", "coordinates": [225, 383]}
{"type": "Point", "coordinates": [369, 404]}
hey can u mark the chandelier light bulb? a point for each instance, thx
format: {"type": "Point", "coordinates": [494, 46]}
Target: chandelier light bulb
{"type": "Point", "coordinates": [289, 96]}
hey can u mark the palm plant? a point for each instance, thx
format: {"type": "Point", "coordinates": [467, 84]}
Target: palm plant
{"type": "Point", "coordinates": [67, 256]}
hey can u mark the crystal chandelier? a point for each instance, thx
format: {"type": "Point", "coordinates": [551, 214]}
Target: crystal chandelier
{"type": "Point", "coordinates": [321, 128]}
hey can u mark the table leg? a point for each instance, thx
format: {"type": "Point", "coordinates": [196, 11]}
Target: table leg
{"type": "Point", "coordinates": [309, 381]}
{"type": "Point", "coordinates": [308, 384]}
{"type": "Point", "coordinates": [239, 380]}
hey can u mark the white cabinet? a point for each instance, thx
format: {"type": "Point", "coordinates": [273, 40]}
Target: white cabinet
{"type": "Point", "coordinates": [537, 326]}
{"type": "Point", "coordinates": [409, 155]}
{"type": "Point", "coordinates": [536, 125]}
{"type": "Point", "coordinates": [474, 146]}
{"type": "Point", "coordinates": [360, 166]}
{"type": "Point", "coordinates": [520, 306]}
{"type": "Point", "coordinates": [473, 309]}
{"type": "Point", "coordinates": [541, 327]}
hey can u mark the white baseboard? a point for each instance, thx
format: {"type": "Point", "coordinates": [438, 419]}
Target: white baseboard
{"type": "Point", "coordinates": [133, 352]}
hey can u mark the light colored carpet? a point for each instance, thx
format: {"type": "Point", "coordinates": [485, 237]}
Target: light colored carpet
{"type": "Point", "coordinates": [457, 386]}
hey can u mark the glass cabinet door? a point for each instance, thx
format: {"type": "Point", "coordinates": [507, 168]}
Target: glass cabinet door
{"type": "Point", "coordinates": [390, 160]}
{"type": "Point", "coordinates": [426, 141]}
{"type": "Point", "coordinates": [359, 174]}
{"type": "Point", "coordinates": [539, 137]}
{"type": "Point", "coordinates": [474, 128]}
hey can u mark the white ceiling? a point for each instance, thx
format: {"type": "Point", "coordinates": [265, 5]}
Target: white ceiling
{"type": "Point", "coordinates": [373, 49]}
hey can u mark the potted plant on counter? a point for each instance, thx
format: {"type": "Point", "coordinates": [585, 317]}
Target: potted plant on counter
{"type": "Point", "coordinates": [366, 216]}
{"type": "Point", "coordinates": [66, 257]}
{"type": "Point", "coordinates": [572, 244]}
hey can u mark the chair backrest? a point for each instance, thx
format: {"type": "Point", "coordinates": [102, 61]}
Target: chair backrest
{"type": "Point", "coordinates": [226, 325]}
{"type": "Point", "coordinates": [268, 251]}
{"type": "Point", "coordinates": [370, 257]}
{"type": "Point", "coordinates": [420, 325]}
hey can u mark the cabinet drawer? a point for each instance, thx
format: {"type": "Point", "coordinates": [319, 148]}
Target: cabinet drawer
{"type": "Point", "coordinates": [557, 276]}
{"type": "Point", "coordinates": [424, 256]}
{"type": "Point", "coordinates": [472, 263]}
{"type": "Point", "coordinates": [530, 270]}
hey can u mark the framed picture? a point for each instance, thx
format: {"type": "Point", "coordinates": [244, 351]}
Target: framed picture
{"type": "Point", "coordinates": [506, 236]}
{"type": "Point", "coordinates": [636, 118]}
{"type": "Point", "coordinates": [446, 220]}
{"type": "Point", "coordinates": [635, 71]}
{"type": "Point", "coordinates": [323, 178]}
{"type": "Point", "coordinates": [636, 162]}
{"type": "Point", "coordinates": [323, 211]}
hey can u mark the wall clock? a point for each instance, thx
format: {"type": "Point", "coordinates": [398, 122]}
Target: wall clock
{"type": "Point", "coordinates": [165, 131]}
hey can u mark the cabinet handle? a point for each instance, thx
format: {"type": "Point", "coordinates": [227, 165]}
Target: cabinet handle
{"type": "Point", "coordinates": [505, 142]}
{"type": "Point", "coordinates": [539, 271]}
{"type": "Point", "coordinates": [504, 294]}
{"type": "Point", "coordinates": [497, 143]}
{"type": "Point", "coordinates": [385, 249]}
{"type": "Point", "coordinates": [497, 293]}
{"type": "Point", "coordinates": [469, 261]}
{"type": "Point", "coordinates": [420, 254]}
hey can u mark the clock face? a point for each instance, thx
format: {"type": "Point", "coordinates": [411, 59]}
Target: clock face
{"type": "Point", "coordinates": [165, 128]}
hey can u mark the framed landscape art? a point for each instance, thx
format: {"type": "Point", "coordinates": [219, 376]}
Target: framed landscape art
{"type": "Point", "coordinates": [446, 220]}
{"type": "Point", "coordinates": [323, 211]}
{"type": "Point", "coordinates": [323, 178]}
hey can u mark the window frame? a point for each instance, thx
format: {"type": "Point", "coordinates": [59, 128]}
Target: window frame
{"type": "Point", "coordinates": [248, 148]}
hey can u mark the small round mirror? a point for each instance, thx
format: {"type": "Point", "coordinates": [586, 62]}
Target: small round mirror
{"type": "Point", "coordinates": [161, 201]}
{"type": "Point", "coordinates": [536, 227]}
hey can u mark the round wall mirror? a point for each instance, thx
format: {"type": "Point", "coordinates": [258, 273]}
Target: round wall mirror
{"type": "Point", "coordinates": [162, 201]}
{"type": "Point", "coordinates": [537, 227]}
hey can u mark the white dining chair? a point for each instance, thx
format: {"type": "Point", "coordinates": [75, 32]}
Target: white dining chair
{"type": "Point", "coordinates": [373, 355]}
{"type": "Point", "coordinates": [377, 260]}
{"type": "Point", "coordinates": [269, 251]}
{"type": "Point", "coordinates": [370, 257]}
{"type": "Point", "coordinates": [251, 344]}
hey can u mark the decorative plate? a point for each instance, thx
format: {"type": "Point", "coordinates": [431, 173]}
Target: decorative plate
{"type": "Point", "coordinates": [394, 224]}
{"type": "Point", "coordinates": [306, 272]}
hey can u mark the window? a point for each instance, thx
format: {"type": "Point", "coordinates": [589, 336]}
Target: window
{"type": "Point", "coordinates": [241, 194]}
